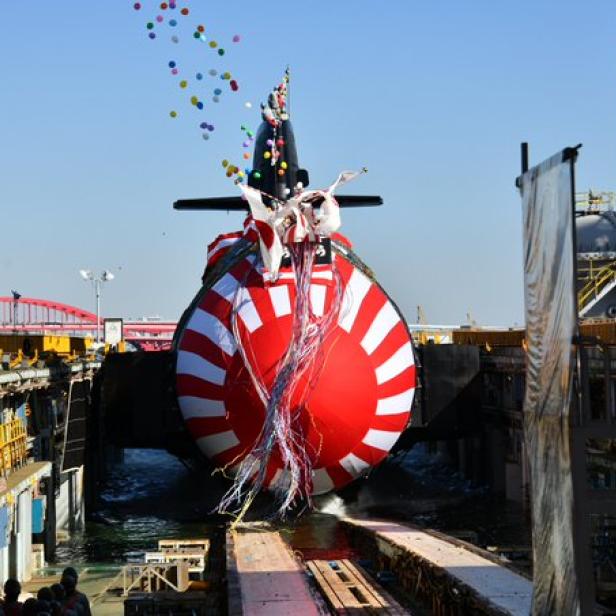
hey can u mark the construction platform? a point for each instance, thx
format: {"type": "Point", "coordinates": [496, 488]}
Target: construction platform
{"type": "Point", "coordinates": [446, 572]}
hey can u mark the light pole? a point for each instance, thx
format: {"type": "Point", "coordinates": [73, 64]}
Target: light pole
{"type": "Point", "coordinates": [105, 276]}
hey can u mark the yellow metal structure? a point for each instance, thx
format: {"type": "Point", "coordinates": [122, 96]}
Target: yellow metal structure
{"type": "Point", "coordinates": [597, 280]}
{"type": "Point", "coordinates": [489, 338]}
{"type": "Point", "coordinates": [604, 330]}
{"type": "Point", "coordinates": [118, 348]}
{"type": "Point", "coordinates": [39, 345]}
{"type": "Point", "coordinates": [13, 445]}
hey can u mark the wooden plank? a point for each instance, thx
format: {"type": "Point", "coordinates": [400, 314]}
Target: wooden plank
{"type": "Point", "coordinates": [270, 580]}
{"type": "Point", "coordinates": [331, 597]}
{"type": "Point", "coordinates": [339, 586]}
{"type": "Point", "coordinates": [386, 600]}
{"type": "Point", "coordinates": [366, 590]}
{"type": "Point", "coordinates": [350, 590]}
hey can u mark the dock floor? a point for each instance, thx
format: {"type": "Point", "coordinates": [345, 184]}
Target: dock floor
{"type": "Point", "coordinates": [264, 578]}
{"type": "Point", "coordinates": [496, 585]}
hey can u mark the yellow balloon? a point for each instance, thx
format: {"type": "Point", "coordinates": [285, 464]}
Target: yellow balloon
{"type": "Point", "coordinates": [213, 44]}
{"type": "Point", "coordinates": [283, 164]}
{"type": "Point", "coordinates": [267, 155]}
{"type": "Point", "coordinates": [225, 162]}
{"type": "Point", "coordinates": [183, 83]}
{"type": "Point", "coordinates": [194, 100]}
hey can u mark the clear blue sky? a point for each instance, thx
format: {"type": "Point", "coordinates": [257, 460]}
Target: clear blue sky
{"type": "Point", "coordinates": [433, 97]}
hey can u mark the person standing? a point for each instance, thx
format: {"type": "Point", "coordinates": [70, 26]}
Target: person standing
{"type": "Point", "coordinates": [74, 600]}
{"type": "Point", "coordinates": [11, 604]}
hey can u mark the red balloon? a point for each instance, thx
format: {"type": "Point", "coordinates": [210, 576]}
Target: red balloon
{"type": "Point", "coordinates": [234, 85]}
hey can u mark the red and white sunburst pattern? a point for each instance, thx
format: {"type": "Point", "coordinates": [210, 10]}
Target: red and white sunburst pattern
{"type": "Point", "coordinates": [357, 405]}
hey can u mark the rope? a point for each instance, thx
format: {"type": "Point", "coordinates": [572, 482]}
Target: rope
{"type": "Point", "coordinates": [285, 403]}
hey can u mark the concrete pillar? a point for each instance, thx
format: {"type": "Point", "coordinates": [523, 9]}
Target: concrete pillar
{"type": "Point", "coordinates": [23, 537]}
{"type": "Point", "coordinates": [4, 563]}
{"type": "Point", "coordinates": [50, 518]}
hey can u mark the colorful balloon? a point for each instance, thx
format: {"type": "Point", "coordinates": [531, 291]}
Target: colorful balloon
{"type": "Point", "coordinates": [173, 114]}
{"type": "Point", "coordinates": [175, 39]}
{"type": "Point", "coordinates": [199, 76]}
{"type": "Point", "coordinates": [284, 165]}
{"type": "Point", "coordinates": [267, 155]}
{"type": "Point", "coordinates": [218, 91]}
{"type": "Point", "coordinates": [256, 175]}
{"type": "Point", "coordinates": [194, 100]}
{"type": "Point", "coordinates": [221, 52]}
{"type": "Point", "coordinates": [184, 11]}
{"type": "Point", "coordinates": [201, 28]}
{"type": "Point", "coordinates": [246, 155]}
{"type": "Point", "coordinates": [234, 85]}
{"type": "Point", "coordinates": [160, 19]}
{"type": "Point", "coordinates": [213, 72]}
{"type": "Point", "coordinates": [174, 71]}
{"type": "Point", "coordinates": [199, 105]}
{"type": "Point", "coordinates": [152, 35]}
{"type": "Point", "coordinates": [173, 23]}
{"type": "Point", "coordinates": [225, 163]}
{"type": "Point", "coordinates": [216, 99]}
{"type": "Point", "coordinates": [183, 83]}
{"type": "Point", "coordinates": [213, 44]}
{"type": "Point", "coordinates": [248, 105]}
{"type": "Point", "coordinates": [236, 38]}
{"type": "Point", "coordinates": [137, 6]}
{"type": "Point", "coordinates": [172, 64]}
{"type": "Point", "coordinates": [206, 136]}
{"type": "Point", "coordinates": [164, 6]}
{"type": "Point", "coordinates": [149, 25]}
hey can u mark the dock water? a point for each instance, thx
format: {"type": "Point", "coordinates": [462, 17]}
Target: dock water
{"type": "Point", "coordinates": [151, 495]}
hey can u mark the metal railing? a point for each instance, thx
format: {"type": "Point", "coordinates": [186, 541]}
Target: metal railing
{"type": "Point", "coordinates": [13, 445]}
{"type": "Point", "coordinates": [147, 578]}
{"type": "Point", "coordinates": [597, 283]}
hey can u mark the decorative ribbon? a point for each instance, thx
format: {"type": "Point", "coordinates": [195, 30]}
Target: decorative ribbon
{"type": "Point", "coordinates": [294, 220]}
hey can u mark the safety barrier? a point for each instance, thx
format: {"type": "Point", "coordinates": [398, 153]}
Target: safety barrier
{"type": "Point", "coordinates": [13, 445]}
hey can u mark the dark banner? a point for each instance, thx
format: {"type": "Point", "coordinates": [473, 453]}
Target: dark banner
{"type": "Point", "coordinates": [551, 323]}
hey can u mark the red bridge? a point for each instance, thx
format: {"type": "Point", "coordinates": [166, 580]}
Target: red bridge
{"type": "Point", "coordinates": [36, 316]}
